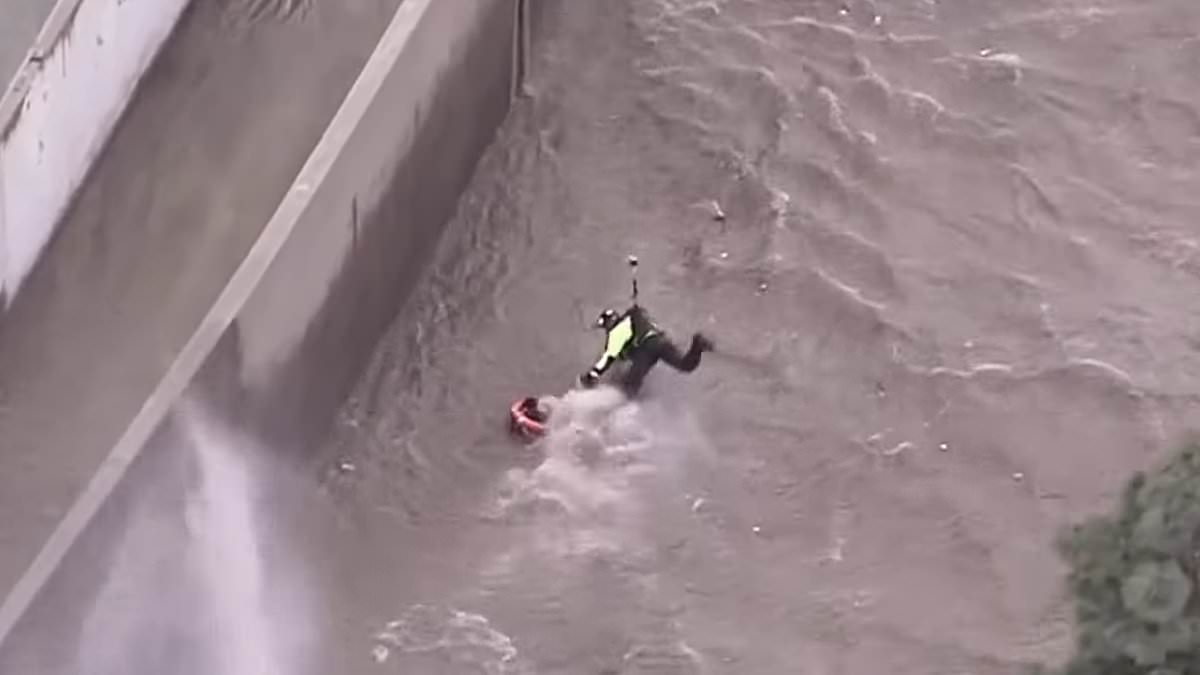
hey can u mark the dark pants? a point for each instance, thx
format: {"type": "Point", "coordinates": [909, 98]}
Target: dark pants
{"type": "Point", "coordinates": [650, 352]}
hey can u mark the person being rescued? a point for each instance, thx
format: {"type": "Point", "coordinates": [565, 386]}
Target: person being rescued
{"type": "Point", "coordinates": [634, 338]}
{"type": "Point", "coordinates": [529, 417]}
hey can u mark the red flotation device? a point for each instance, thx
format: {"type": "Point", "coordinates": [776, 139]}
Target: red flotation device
{"type": "Point", "coordinates": [526, 420]}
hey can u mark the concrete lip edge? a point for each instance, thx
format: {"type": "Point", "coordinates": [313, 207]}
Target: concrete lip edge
{"type": "Point", "coordinates": [95, 50]}
{"type": "Point", "coordinates": [220, 316]}
{"type": "Point", "coordinates": [16, 88]}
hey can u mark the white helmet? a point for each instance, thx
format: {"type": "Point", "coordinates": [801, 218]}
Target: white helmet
{"type": "Point", "coordinates": [607, 319]}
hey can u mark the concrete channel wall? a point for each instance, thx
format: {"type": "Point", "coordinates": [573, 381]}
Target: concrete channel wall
{"type": "Point", "coordinates": [60, 110]}
{"type": "Point", "coordinates": [291, 332]}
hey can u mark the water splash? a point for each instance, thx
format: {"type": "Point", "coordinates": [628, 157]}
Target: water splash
{"type": "Point", "coordinates": [591, 449]}
{"type": "Point", "coordinates": [445, 635]}
{"type": "Point", "coordinates": [187, 591]}
{"type": "Point", "coordinates": [225, 540]}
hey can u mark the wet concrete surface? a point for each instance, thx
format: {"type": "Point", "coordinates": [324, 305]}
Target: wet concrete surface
{"type": "Point", "coordinates": [221, 124]}
{"type": "Point", "coordinates": [952, 299]}
{"type": "Point", "coordinates": [20, 21]}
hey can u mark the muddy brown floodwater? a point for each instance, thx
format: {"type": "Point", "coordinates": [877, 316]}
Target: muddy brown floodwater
{"type": "Point", "coordinates": [954, 303]}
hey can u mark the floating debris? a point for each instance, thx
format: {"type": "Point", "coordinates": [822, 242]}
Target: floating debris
{"type": "Point", "coordinates": [717, 213]}
{"type": "Point", "coordinates": [861, 599]}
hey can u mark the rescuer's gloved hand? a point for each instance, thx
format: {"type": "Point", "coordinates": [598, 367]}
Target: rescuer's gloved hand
{"type": "Point", "coordinates": [588, 379]}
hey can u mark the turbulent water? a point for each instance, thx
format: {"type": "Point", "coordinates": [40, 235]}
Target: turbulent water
{"type": "Point", "coordinates": [953, 295]}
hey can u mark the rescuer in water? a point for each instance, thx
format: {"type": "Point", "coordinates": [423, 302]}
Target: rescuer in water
{"type": "Point", "coordinates": [631, 337]}
{"type": "Point", "coordinates": [634, 338]}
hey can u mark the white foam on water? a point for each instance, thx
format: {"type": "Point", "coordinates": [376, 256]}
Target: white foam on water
{"type": "Point", "coordinates": [451, 636]}
{"type": "Point", "coordinates": [606, 462]}
{"type": "Point", "coordinates": [590, 449]}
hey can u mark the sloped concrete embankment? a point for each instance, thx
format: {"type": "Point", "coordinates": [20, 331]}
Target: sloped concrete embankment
{"type": "Point", "coordinates": [285, 340]}
{"type": "Point", "coordinates": [59, 111]}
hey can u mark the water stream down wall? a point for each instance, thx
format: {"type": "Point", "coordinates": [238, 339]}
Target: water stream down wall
{"type": "Point", "coordinates": [288, 336]}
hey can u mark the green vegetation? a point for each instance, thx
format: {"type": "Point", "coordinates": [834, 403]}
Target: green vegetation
{"type": "Point", "coordinates": [1133, 577]}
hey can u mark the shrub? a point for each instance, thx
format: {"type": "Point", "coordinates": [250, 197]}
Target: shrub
{"type": "Point", "coordinates": [1133, 577]}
